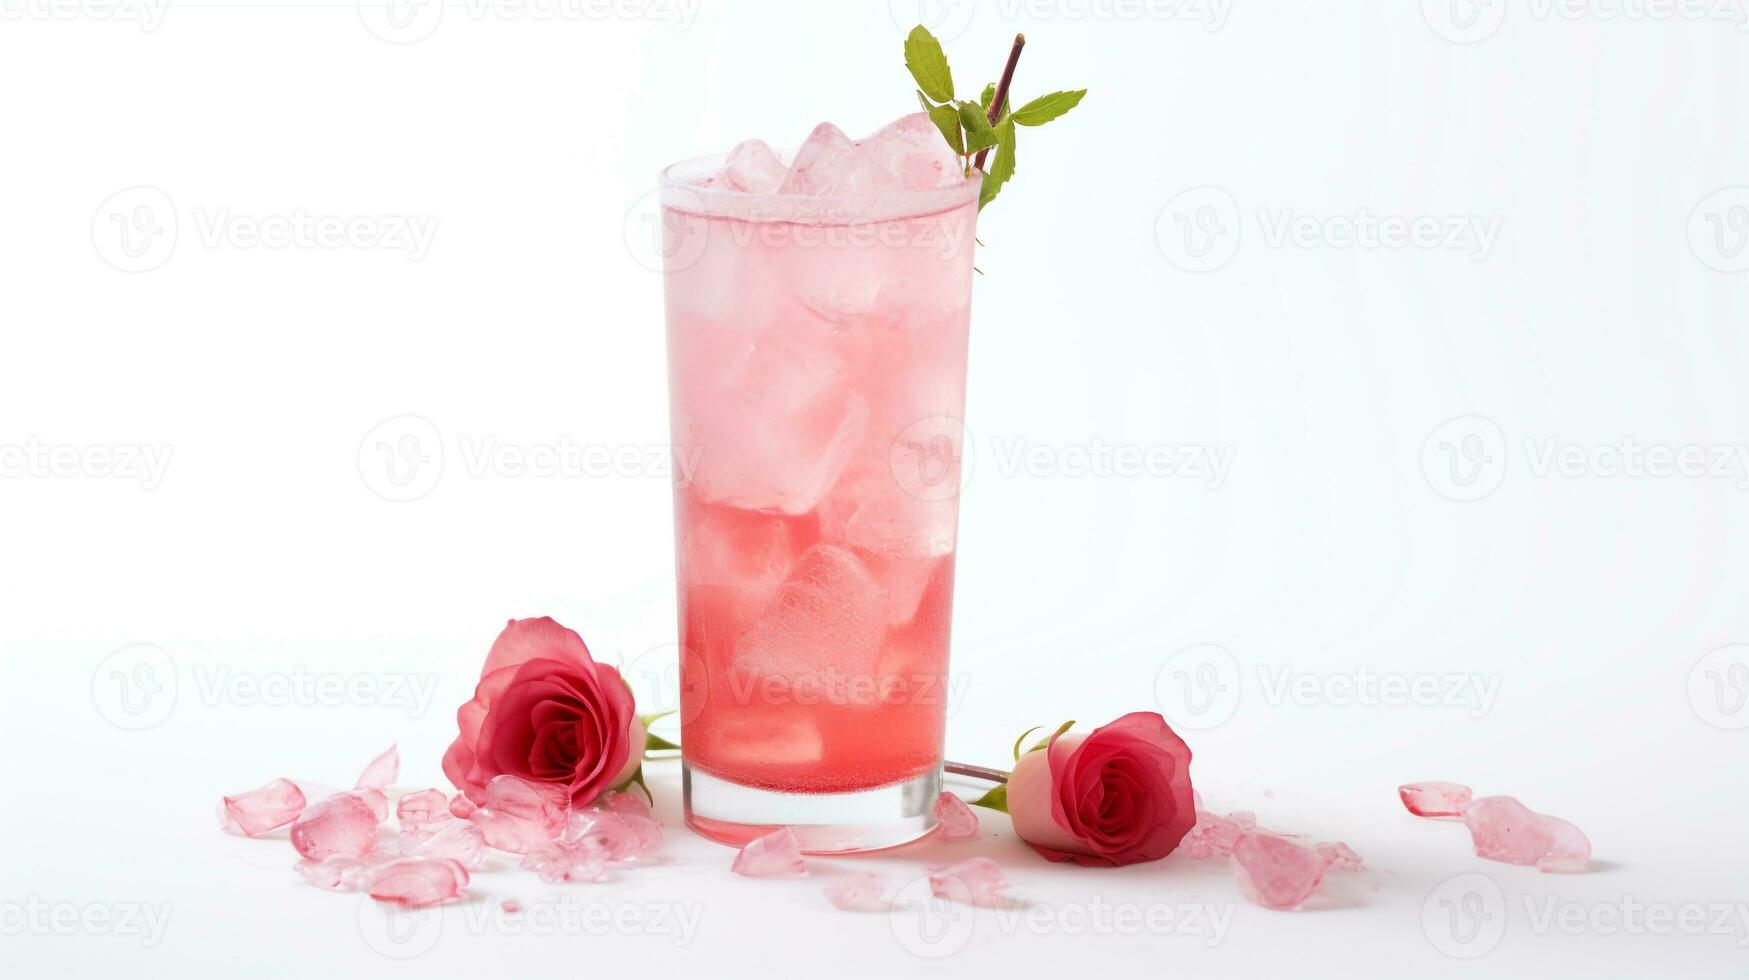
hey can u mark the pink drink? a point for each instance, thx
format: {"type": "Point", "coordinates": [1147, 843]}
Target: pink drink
{"type": "Point", "coordinates": [817, 354]}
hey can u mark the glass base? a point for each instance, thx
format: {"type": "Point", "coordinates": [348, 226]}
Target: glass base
{"type": "Point", "coordinates": [824, 823]}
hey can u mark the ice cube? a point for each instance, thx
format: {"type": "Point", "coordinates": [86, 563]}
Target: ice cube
{"type": "Point", "coordinates": [957, 821]}
{"type": "Point", "coordinates": [826, 164]}
{"type": "Point", "coordinates": [745, 550]}
{"type": "Point", "coordinates": [896, 523]}
{"type": "Point", "coordinates": [911, 152]}
{"type": "Point", "coordinates": [903, 582]}
{"type": "Point", "coordinates": [784, 424]}
{"type": "Point", "coordinates": [753, 167]}
{"type": "Point", "coordinates": [858, 891]}
{"type": "Point", "coordinates": [828, 616]}
{"type": "Point", "coordinates": [1503, 829]}
{"type": "Point", "coordinates": [974, 881]}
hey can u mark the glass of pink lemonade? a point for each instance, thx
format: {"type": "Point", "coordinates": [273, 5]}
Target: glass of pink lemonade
{"type": "Point", "coordinates": [817, 327]}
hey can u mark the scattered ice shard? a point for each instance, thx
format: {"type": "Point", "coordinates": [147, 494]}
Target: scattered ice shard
{"type": "Point", "coordinates": [974, 881]}
{"type": "Point", "coordinates": [827, 614]}
{"type": "Point", "coordinates": [458, 840]}
{"type": "Point", "coordinates": [753, 167]}
{"type": "Point", "coordinates": [376, 799]}
{"type": "Point", "coordinates": [1339, 856]}
{"type": "Point", "coordinates": [858, 891]}
{"type": "Point", "coordinates": [518, 814]}
{"type": "Point", "coordinates": [957, 820]}
{"type": "Point", "coordinates": [631, 808]}
{"type": "Point", "coordinates": [338, 873]}
{"type": "Point", "coordinates": [558, 861]}
{"type": "Point", "coordinates": [419, 882]}
{"type": "Point", "coordinates": [1435, 799]}
{"type": "Point", "coordinates": [1504, 829]}
{"type": "Point", "coordinates": [340, 826]}
{"type": "Point", "coordinates": [382, 771]}
{"type": "Point", "coordinates": [415, 810]}
{"type": "Point", "coordinates": [461, 807]}
{"type": "Point", "coordinates": [268, 808]}
{"type": "Point", "coordinates": [1276, 873]}
{"type": "Point", "coordinates": [1215, 835]}
{"type": "Point", "coordinates": [776, 855]}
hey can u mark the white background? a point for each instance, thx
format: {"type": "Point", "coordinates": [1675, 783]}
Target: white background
{"type": "Point", "coordinates": [1355, 535]}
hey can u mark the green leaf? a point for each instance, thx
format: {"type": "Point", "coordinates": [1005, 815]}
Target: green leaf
{"type": "Point", "coordinates": [988, 97]}
{"type": "Point", "coordinates": [1047, 107]}
{"type": "Point", "coordinates": [996, 799]}
{"type": "Point", "coordinates": [656, 743]}
{"type": "Point", "coordinates": [648, 720]}
{"type": "Point", "coordinates": [947, 119]}
{"type": "Point", "coordinates": [1002, 168]}
{"type": "Point", "coordinates": [928, 64]}
{"type": "Point", "coordinates": [1045, 743]}
{"type": "Point", "coordinates": [1022, 738]}
{"type": "Point", "coordinates": [979, 133]}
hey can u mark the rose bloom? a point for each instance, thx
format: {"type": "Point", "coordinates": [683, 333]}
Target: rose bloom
{"type": "Point", "coordinates": [545, 711]}
{"type": "Point", "coordinates": [1120, 795]}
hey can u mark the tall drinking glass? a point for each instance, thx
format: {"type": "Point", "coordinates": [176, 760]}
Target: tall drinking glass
{"type": "Point", "coordinates": [817, 361]}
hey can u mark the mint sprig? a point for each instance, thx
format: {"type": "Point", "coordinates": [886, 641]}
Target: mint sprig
{"type": "Point", "coordinates": [972, 129]}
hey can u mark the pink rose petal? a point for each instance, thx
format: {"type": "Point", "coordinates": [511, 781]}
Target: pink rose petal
{"type": "Point", "coordinates": [382, 771]}
{"type": "Point", "coordinates": [268, 808]}
{"type": "Point", "coordinates": [1215, 835]}
{"type": "Point", "coordinates": [1435, 799]}
{"type": "Point", "coordinates": [419, 882]}
{"type": "Point", "coordinates": [341, 825]}
{"type": "Point", "coordinates": [518, 814]}
{"type": "Point", "coordinates": [1276, 873]}
{"type": "Point", "coordinates": [974, 881]}
{"type": "Point", "coordinates": [956, 818]}
{"type": "Point", "coordinates": [606, 833]}
{"type": "Point", "coordinates": [857, 892]}
{"type": "Point", "coordinates": [1504, 829]}
{"type": "Point", "coordinates": [415, 810]}
{"type": "Point", "coordinates": [461, 807]}
{"type": "Point", "coordinates": [776, 855]}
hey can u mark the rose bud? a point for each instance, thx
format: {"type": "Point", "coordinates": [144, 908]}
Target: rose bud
{"type": "Point", "coordinates": [545, 711]}
{"type": "Point", "coordinates": [1120, 795]}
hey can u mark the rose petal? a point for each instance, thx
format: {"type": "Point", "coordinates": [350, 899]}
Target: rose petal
{"type": "Point", "coordinates": [268, 808]}
{"type": "Point", "coordinates": [1435, 799]}
{"type": "Point", "coordinates": [382, 771]}
{"type": "Point", "coordinates": [518, 814]}
{"type": "Point", "coordinates": [530, 639]}
{"type": "Point", "coordinates": [419, 882]}
{"type": "Point", "coordinates": [974, 881]}
{"type": "Point", "coordinates": [457, 840]}
{"type": "Point", "coordinates": [1215, 835]}
{"type": "Point", "coordinates": [957, 821]}
{"type": "Point", "coordinates": [415, 810]}
{"type": "Point", "coordinates": [776, 855]}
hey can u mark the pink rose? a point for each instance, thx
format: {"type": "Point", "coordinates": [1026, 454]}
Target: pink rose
{"type": "Point", "coordinates": [1118, 796]}
{"type": "Point", "coordinates": [545, 711]}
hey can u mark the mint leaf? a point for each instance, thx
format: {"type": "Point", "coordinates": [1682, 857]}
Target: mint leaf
{"type": "Point", "coordinates": [1002, 168]}
{"type": "Point", "coordinates": [947, 119]}
{"type": "Point", "coordinates": [979, 132]}
{"type": "Point", "coordinates": [928, 64]}
{"type": "Point", "coordinates": [988, 97]}
{"type": "Point", "coordinates": [1047, 107]}
{"type": "Point", "coordinates": [996, 799]}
